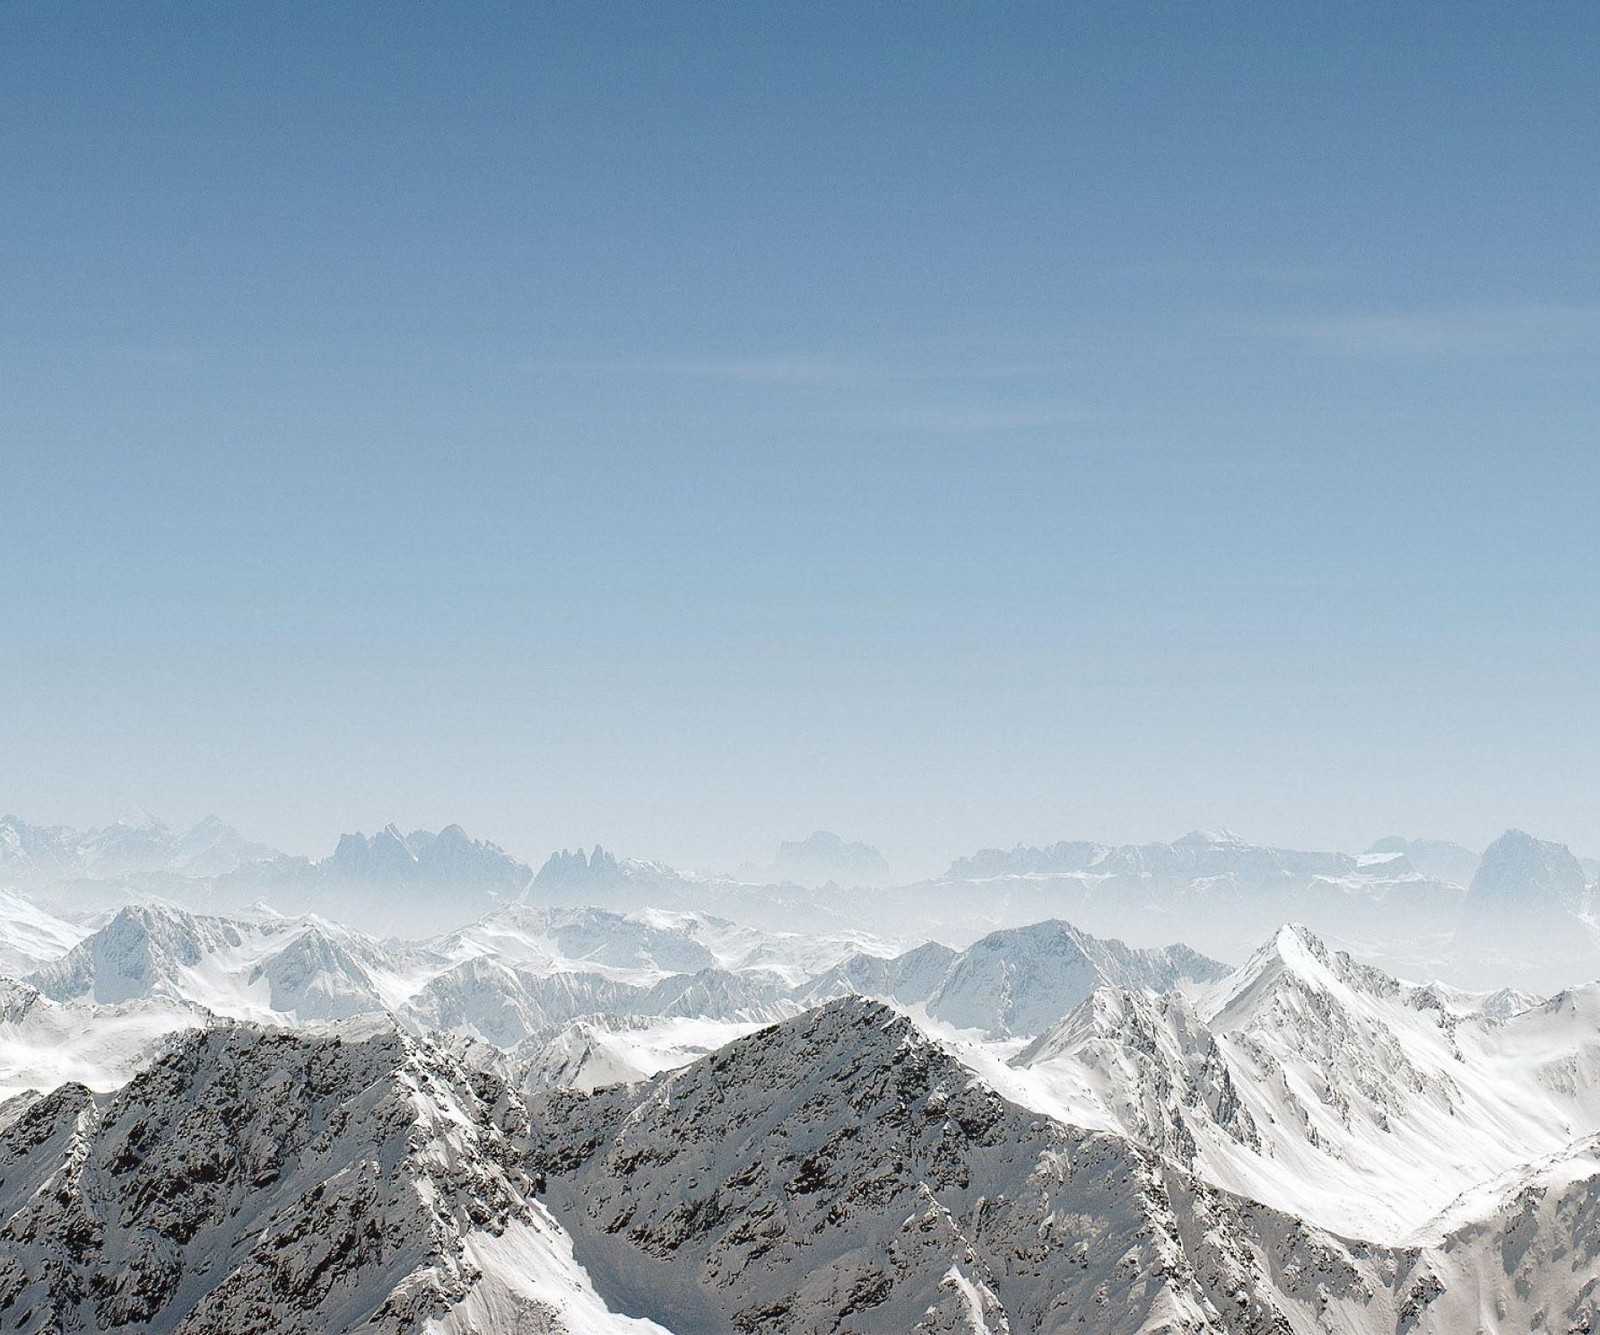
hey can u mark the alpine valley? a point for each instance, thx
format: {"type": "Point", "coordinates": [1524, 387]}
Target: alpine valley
{"type": "Point", "coordinates": [418, 1085]}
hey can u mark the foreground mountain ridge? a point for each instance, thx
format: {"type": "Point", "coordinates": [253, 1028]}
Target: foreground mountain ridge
{"type": "Point", "coordinates": [267, 1181]}
{"type": "Point", "coordinates": [1177, 1149]}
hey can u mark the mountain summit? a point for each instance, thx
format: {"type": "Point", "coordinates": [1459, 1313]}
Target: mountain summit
{"type": "Point", "coordinates": [823, 857]}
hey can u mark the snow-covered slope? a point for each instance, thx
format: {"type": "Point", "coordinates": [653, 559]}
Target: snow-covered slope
{"type": "Point", "coordinates": [1328, 1088]}
{"type": "Point", "coordinates": [516, 978]}
{"type": "Point", "coordinates": [45, 1043]}
{"type": "Point", "coordinates": [647, 945]}
{"type": "Point", "coordinates": [1017, 981]}
{"type": "Point", "coordinates": [262, 968]}
{"type": "Point", "coordinates": [838, 1173]}
{"type": "Point", "coordinates": [599, 1050]}
{"type": "Point", "coordinates": [1151, 1163]}
{"type": "Point", "coordinates": [30, 936]}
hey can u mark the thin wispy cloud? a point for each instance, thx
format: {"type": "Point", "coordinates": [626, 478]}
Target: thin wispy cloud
{"type": "Point", "coordinates": [803, 370]}
{"type": "Point", "coordinates": [928, 399]}
{"type": "Point", "coordinates": [1505, 331]}
{"type": "Point", "coordinates": [773, 370]}
{"type": "Point", "coordinates": [965, 418]}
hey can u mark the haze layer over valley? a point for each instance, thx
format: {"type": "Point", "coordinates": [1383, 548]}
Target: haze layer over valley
{"type": "Point", "coordinates": [1519, 914]}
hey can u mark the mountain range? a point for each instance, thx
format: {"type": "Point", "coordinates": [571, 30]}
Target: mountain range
{"type": "Point", "coordinates": [843, 1170]}
{"type": "Point", "coordinates": [241, 1091]}
{"type": "Point", "coordinates": [1518, 916]}
{"type": "Point", "coordinates": [136, 844]}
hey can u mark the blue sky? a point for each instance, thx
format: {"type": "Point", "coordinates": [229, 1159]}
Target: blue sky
{"type": "Point", "coordinates": [685, 426]}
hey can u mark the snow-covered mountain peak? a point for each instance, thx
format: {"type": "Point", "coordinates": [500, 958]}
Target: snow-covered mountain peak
{"type": "Point", "coordinates": [1211, 839]}
{"type": "Point", "coordinates": [141, 952]}
{"type": "Point", "coordinates": [1327, 1087]}
{"type": "Point", "coordinates": [1021, 980]}
{"type": "Point", "coordinates": [841, 1172]}
{"type": "Point", "coordinates": [1296, 961]}
{"type": "Point", "coordinates": [136, 817]}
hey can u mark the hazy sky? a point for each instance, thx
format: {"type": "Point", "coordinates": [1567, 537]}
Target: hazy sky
{"type": "Point", "coordinates": [687, 425]}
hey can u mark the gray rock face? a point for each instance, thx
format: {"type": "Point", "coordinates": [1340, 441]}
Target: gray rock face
{"type": "Point", "coordinates": [1521, 873]}
{"type": "Point", "coordinates": [258, 1181]}
{"type": "Point", "coordinates": [1435, 858]}
{"type": "Point", "coordinates": [446, 860]}
{"type": "Point", "coordinates": [823, 857]}
{"type": "Point", "coordinates": [574, 871]}
{"type": "Point", "coordinates": [841, 1173]}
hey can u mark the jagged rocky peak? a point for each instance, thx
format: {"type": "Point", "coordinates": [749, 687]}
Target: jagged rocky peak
{"type": "Point", "coordinates": [1520, 872]}
{"type": "Point", "coordinates": [824, 857]}
{"type": "Point", "coordinates": [1109, 1012]}
{"type": "Point", "coordinates": [1297, 958]}
{"type": "Point", "coordinates": [841, 1172]}
{"type": "Point", "coordinates": [385, 856]}
{"type": "Point", "coordinates": [447, 859]}
{"type": "Point", "coordinates": [815, 1176]}
{"type": "Point", "coordinates": [570, 869]}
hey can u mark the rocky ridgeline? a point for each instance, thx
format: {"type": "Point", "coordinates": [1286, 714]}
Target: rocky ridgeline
{"type": "Point", "coordinates": [262, 1181]}
{"type": "Point", "coordinates": [838, 1172]}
